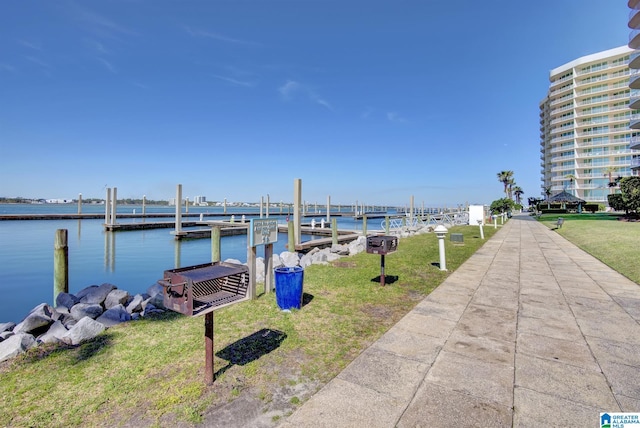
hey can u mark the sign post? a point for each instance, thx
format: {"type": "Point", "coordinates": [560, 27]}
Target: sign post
{"type": "Point", "coordinates": [263, 231]}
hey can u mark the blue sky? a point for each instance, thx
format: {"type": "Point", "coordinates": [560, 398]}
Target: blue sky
{"type": "Point", "coordinates": [374, 101]}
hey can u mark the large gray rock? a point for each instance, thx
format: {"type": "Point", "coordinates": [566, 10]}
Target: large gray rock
{"type": "Point", "coordinates": [85, 329]}
{"type": "Point", "coordinates": [277, 261]}
{"type": "Point", "coordinates": [7, 326]}
{"type": "Point", "coordinates": [67, 300]}
{"type": "Point", "coordinates": [54, 335]}
{"type": "Point", "coordinates": [95, 294]}
{"type": "Point", "coordinates": [113, 316]}
{"type": "Point", "coordinates": [156, 295]}
{"type": "Point", "coordinates": [15, 345]}
{"type": "Point", "coordinates": [136, 304]}
{"type": "Point", "coordinates": [116, 297]}
{"type": "Point", "coordinates": [82, 310]}
{"type": "Point", "coordinates": [289, 259]}
{"type": "Point", "coordinates": [5, 334]}
{"type": "Point", "coordinates": [38, 319]}
{"type": "Point", "coordinates": [155, 289]}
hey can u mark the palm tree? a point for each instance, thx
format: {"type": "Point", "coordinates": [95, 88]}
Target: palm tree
{"type": "Point", "coordinates": [608, 171]}
{"type": "Point", "coordinates": [571, 179]}
{"type": "Point", "coordinates": [505, 177]}
{"type": "Point", "coordinates": [547, 191]}
{"type": "Point", "coordinates": [518, 192]}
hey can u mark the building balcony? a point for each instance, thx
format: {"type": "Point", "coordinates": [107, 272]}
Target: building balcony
{"type": "Point", "coordinates": [634, 39]}
{"type": "Point", "coordinates": [634, 79]}
{"type": "Point", "coordinates": [634, 102]}
{"type": "Point", "coordinates": [634, 144]}
{"type": "Point", "coordinates": [634, 18]}
{"type": "Point", "coordinates": [634, 59]}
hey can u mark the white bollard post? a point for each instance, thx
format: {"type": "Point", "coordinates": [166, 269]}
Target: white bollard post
{"type": "Point", "coordinates": [495, 221]}
{"type": "Point", "coordinates": [313, 223]}
{"type": "Point", "coordinates": [201, 216]}
{"type": "Point", "coordinates": [244, 219]}
{"type": "Point", "coordinates": [481, 231]}
{"type": "Point", "coordinates": [322, 224]}
{"type": "Point", "coordinates": [440, 232]}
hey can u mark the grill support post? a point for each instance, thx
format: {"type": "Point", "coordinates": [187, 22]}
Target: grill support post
{"type": "Point", "coordinates": [382, 279]}
{"type": "Point", "coordinates": [208, 346]}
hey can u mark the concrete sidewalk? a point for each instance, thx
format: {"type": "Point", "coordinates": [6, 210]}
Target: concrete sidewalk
{"type": "Point", "coordinates": [530, 331]}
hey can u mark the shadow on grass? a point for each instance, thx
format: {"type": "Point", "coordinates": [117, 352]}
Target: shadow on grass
{"type": "Point", "coordinates": [306, 299]}
{"type": "Point", "coordinates": [388, 279]}
{"type": "Point", "coordinates": [250, 348]}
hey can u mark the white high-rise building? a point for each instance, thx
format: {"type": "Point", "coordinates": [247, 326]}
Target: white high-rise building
{"type": "Point", "coordinates": [584, 126]}
{"type": "Point", "coordinates": [634, 79]}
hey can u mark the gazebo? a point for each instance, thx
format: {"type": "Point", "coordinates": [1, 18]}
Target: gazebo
{"type": "Point", "coordinates": [566, 198]}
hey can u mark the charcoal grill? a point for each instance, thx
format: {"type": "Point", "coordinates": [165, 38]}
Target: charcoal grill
{"type": "Point", "coordinates": [383, 245]}
{"type": "Point", "coordinates": [197, 290]}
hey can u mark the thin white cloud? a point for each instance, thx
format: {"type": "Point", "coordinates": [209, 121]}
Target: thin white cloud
{"type": "Point", "coordinates": [108, 65]}
{"type": "Point", "coordinates": [38, 61]}
{"type": "Point", "coordinates": [97, 46]}
{"type": "Point", "coordinates": [234, 81]}
{"type": "Point", "coordinates": [100, 25]}
{"type": "Point", "coordinates": [30, 45]}
{"type": "Point", "coordinates": [367, 113]}
{"type": "Point", "coordinates": [289, 89]}
{"type": "Point", "coordinates": [392, 116]}
{"type": "Point", "coordinates": [292, 89]}
{"type": "Point", "coordinates": [7, 67]}
{"type": "Point", "coordinates": [217, 36]}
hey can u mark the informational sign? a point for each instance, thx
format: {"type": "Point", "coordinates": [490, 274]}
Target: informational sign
{"type": "Point", "coordinates": [263, 231]}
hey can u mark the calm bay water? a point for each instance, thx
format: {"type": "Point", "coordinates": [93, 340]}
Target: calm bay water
{"type": "Point", "coordinates": [131, 260]}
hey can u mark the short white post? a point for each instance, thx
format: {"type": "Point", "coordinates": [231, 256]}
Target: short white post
{"type": "Point", "coordinates": [495, 221]}
{"type": "Point", "coordinates": [481, 231]}
{"type": "Point", "coordinates": [79, 203]}
{"type": "Point", "coordinates": [224, 206]}
{"type": "Point", "coordinates": [244, 218]}
{"type": "Point", "coordinates": [107, 207]}
{"type": "Point", "coordinates": [261, 204]}
{"type": "Point", "coordinates": [233, 218]}
{"type": "Point", "coordinates": [328, 209]}
{"type": "Point", "coordinates": [267, 206]}
{"type": "Point", "coordinates": [322, 224]}
{"type": "Point", "coordinates": [313, 223]}
{"type": "Point", "coordinates": [178, 210]}
{"type": "Point", "coordinates": [114, 205]}
{"type": "Point", "coordinates": [440, 232]}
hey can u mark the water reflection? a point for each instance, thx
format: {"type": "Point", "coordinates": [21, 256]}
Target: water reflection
{"type": "Point", "coordinates": [109, 251]}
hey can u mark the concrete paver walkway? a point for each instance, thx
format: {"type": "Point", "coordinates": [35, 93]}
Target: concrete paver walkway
{"type": "Point", "coordinates": [530, 331]}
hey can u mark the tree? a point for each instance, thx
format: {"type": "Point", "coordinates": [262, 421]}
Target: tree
{"type": "Point", "coordinates": [506, 178]}
{"type": "Point", "coordinates": [501, 206]}
{"type": "Point", "coordinates": [518, 192]}
{"type": "Point", "coordinates": [571, 179]}
{"type": "Point", "coordinates": [608, 171]}
{"type": "Point", "coordinates": [630, 189]}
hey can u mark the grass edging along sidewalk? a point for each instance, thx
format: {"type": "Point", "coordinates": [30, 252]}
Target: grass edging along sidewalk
{"type": "Point", "coordinates": [151, 371]}
{"type": "Point", "coordinates": [605, 236]}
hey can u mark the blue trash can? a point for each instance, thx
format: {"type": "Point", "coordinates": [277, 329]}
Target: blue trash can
{"type": "Point", "coordinates": [289, 287]}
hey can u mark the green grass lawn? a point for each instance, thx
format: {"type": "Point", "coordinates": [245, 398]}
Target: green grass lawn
{"type": "Point", "coordinates": [604, 236]}
{"type": "Point", "coordinates": [151, 372]}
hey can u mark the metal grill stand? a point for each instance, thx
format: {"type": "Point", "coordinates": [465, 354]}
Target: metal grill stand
{"type": "Point", "coordinates": [382, 245]}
